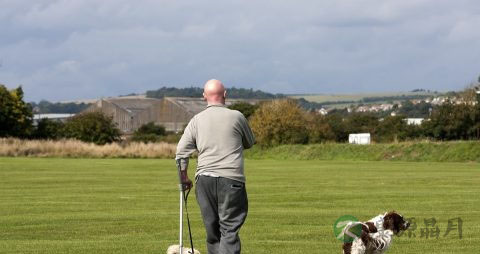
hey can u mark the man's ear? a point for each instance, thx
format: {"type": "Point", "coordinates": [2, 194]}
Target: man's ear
{"type": "Point", "coordinates": [225, 94]}
{"type": "Point", "coordinates": [204, 97]}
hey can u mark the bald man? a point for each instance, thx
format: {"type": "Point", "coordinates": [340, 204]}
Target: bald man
{"type": "Point", "coordinates": [219, 135]}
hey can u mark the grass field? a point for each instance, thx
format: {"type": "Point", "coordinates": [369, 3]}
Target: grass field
{"type": "Point", "coordinates": [50, 205]}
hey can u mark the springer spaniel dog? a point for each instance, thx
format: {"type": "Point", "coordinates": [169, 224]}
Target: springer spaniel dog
{"type": "Point", "coordinates": [377, 234]}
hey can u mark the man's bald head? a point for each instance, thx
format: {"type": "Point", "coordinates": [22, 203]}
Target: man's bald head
{"type": "Point", "coordinates": [214, 92]}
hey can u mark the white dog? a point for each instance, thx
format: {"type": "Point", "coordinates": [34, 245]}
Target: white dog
{"type": "Point", "coordinates": [175, 249]}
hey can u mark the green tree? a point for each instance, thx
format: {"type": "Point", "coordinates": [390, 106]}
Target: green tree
{"type": "Point", "coordinates": [15, 114]}
{"type": "Point", "coordinates": [279, 122]}
{"type": "Point", "coordinates": [319, 129]}
{"type": "Point", "coordinates": [452, 122]}
{"type": "Point", "coordinates": [474, 131]}
{"type": "Point", "coordinates": [338, 125]}
{"type": "Point", "coordinates": [362, 123]}
{"type": "Point", "coordinates": [395, 128]}
{"type": "Point", "coordinates": [246, 108]}
{"type": "Point", "coordinates": [92, 127]}
{"type": "Point", "coordinates": [419, 110]}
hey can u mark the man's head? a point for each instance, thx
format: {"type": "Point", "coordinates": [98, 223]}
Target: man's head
{"type": "Point", "coordinates": [214, 92]}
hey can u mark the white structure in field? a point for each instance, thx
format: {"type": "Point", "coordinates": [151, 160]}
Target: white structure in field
{"type": "Point", "coordinates": [359, 138]}
{"type": "Point", "coordinates": [414, 121]}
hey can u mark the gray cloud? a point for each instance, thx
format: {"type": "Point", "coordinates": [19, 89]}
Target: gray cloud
{"type": "Point", "coordinates": [64, 49]}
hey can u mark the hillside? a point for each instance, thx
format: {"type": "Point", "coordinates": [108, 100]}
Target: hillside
{"type": "Point", "coordinates": [343, 100]}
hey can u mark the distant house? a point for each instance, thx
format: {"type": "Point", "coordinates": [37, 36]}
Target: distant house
{"type": "Point", "coordinates": [438, 100]}
{"type": "Point", "coordinates": [375, 108]}
{"type": "Point", "coordinates": [323, 111]}
{"type": "Point", "coordinates": [173, 113]}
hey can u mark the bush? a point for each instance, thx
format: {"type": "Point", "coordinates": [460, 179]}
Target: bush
{"type": "Point", "coordinates": [92, 127]}
{"type": "Point", "coordinates": [151, 128]}
{"type": "Point", "coordinates": [48, 129]}
{"type": "Point", "coordinates": [149, 133]}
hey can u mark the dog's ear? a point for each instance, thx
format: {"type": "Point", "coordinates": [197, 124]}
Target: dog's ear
{"type": "Point", "coordinates": [388, 222]}
{"type": "Point", "coordinates": [394, 222]}
{"type": "Point", "coordinates": [371, 227]}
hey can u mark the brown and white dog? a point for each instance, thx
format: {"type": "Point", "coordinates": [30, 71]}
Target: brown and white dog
{"type": "Point", "coordinates": [377, 234]}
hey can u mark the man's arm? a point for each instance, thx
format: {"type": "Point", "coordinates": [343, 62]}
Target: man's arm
{"type": "Point", "coordinates": [186, 146]}
{"type": "Point", "coordinates": [248, 139]}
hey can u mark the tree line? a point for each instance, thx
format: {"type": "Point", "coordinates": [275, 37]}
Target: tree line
{"type": "Point", "coordinates": [197, 92]}
{"type": "Point", "coordinates": [274, 122]}
{"type": "Point", "coordinates": [46, 107]}
{"type": "Point", "coordinates": [16, 120]}
{"type": "Point", "coordinates": [286, 122]}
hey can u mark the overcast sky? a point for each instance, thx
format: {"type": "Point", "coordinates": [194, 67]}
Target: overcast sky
{"type": "Point", "coordinates": [72, 49]}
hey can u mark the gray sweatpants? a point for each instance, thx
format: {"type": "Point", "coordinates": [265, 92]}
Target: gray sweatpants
{"type": "Point", "coordinates": [224, 206]}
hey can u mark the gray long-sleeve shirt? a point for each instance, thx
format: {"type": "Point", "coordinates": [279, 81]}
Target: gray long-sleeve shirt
{"type": "Point", "coordinates": [219, 135]}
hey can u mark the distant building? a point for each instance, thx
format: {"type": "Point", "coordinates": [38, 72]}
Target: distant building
{"type": "Point", "coordinates": [53, 117]}
{"type": "Point", "coordinates": [173, 113]}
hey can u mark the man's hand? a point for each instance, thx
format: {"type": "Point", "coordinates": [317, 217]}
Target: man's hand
{"type": "Point", "coordinates": [186, 182]}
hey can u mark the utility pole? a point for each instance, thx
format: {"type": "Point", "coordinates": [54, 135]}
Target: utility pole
{"type": "Point", "coordinates": [477, 90]}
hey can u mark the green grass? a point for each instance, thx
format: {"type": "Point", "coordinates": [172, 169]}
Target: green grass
{"type": "Point", "coordinates": [55, 205]}
{"type": "Point", "coordinates": [421, 151]}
